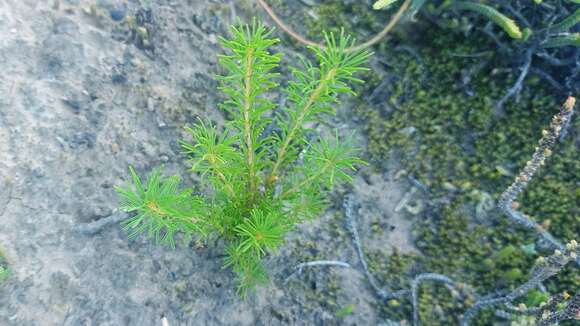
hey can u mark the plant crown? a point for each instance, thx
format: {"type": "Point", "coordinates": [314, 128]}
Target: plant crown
{"type": "Point", "coordinates": [256, 184]}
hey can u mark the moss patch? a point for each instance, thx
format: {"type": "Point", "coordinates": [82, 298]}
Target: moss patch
{"type": "Point", "coordinates": [446, 133]}
{"type": "Point", "coordinates": [433, 110]}
{"type": "Point", "coordinates": [356, 18]}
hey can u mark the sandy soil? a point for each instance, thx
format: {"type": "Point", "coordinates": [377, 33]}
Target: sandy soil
{"type": "Point", "coordinates": [81, 98]}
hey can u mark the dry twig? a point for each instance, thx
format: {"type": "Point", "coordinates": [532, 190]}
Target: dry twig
{"type": "Point", "coordinates": [543, 151]}
{"type": "Point", "coordinates": [317, 263]}
{"type": "Point", "coordinates": [544, 269]}
{"type": "Point", "coordinates": [98, 225]}
{"type": "Point", "coordinates": [300, 39]}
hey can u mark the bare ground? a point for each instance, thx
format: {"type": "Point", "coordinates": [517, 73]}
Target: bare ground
{"type": "Point", "coordinates": [81, 98]}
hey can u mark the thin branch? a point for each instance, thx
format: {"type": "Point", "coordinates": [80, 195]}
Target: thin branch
{"type": "Point", "coordinates": [317, 263]}
{"type": "Point", "coordinates": [304, 110]}
{"type": "Point", "coordinates": [544, 150]}
{"type": "Point", "coordinates": [488, 31]}
{"type": "Point", "coordinates": [544, 269]}
{"type": "Point", "coordinates": [517, 87]}
{"type": "Point", "coordinates": [381, 293]}
{"type": "Point", "coordinates": [547, 78]}
{"type": "Point", "coordinates": [553, 315]}
{"type": "Point", "coordinates": [98, 225]}
{"type": "Point", "coordinates": [247, 107]}
{"type": "Point", "coordinates": [415, 289]}
{"type": "Point", "coordinates": [300, 39]}
{"type": "Point", "coordinates": [226, 182]}
{"type": "Point", "coordinates": [522, 310]}
{"type": "Point", "coordinates": [555, 61]}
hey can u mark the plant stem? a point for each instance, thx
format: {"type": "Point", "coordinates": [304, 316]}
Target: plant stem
{"type": "Point", "coordinates": [543, 151]}
{"type": "Point", "coordinates": [306, 181]}
{"type": "Point", "coordinates": [228, 185]}
{"type": "Point", "coordinates": [298, 123]}
{"type": "Point", "coordinates": [247, 122]}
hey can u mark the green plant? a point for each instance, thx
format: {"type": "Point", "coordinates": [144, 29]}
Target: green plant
{"type": "Point", "coordinates": [382, 4]}
{"type": "Point", "coordinates": [256, 185]}
{"type": "Point", "coordinates": [491, 13]}
{"type": "Point", "coordinates": [545, 30]}
{"type": "Point", "coordinates": [4, 270]}
{"type": "Point", "coordinates": [414, 7]}
{"type": "Point", "coordinates": [4, 273]}
{"type": "Point", "coordinates": [507, 24]}
{"type": "Point", "coordinates": [567, 23]}
{"type": "Point", "coordinates": [408, 125]}
{"type": "Point", "coordinates": [347, 310]}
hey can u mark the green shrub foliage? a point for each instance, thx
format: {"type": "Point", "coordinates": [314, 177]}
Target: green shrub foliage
{"type": "Point", "coordinates": [257, 185]}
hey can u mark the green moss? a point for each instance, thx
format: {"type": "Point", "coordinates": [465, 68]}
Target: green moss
{"type": "Point", "coordinates": [356, 18]}
{"type": "Point", "coordinates": [434, 311]}
{"type": "Point", "coordinates": [395, 270]}
{"type": "Point", "coordinates": [464, 152]}
{"type": "Point", "coordinates": [535, 298]}
{"type": "Point", "coordinates": [323, 291]}
{"type": "Point", "coordinates": [320, 288]}
{"type": "Point", "coordinates": [447, 134]}
{"type": "Point", "coordinates": [436, 116]}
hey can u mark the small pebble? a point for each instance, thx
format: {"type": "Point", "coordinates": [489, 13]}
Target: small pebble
{"type": "Point", "coordinates": [117, 14]}
{"type": "Point", "coordinates": [161, 123]}
{"type": "Point", "coordinates": [119, 79]}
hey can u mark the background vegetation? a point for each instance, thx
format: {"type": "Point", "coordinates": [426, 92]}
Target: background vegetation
{"type": "Point", "coordinates": [431, 106]}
